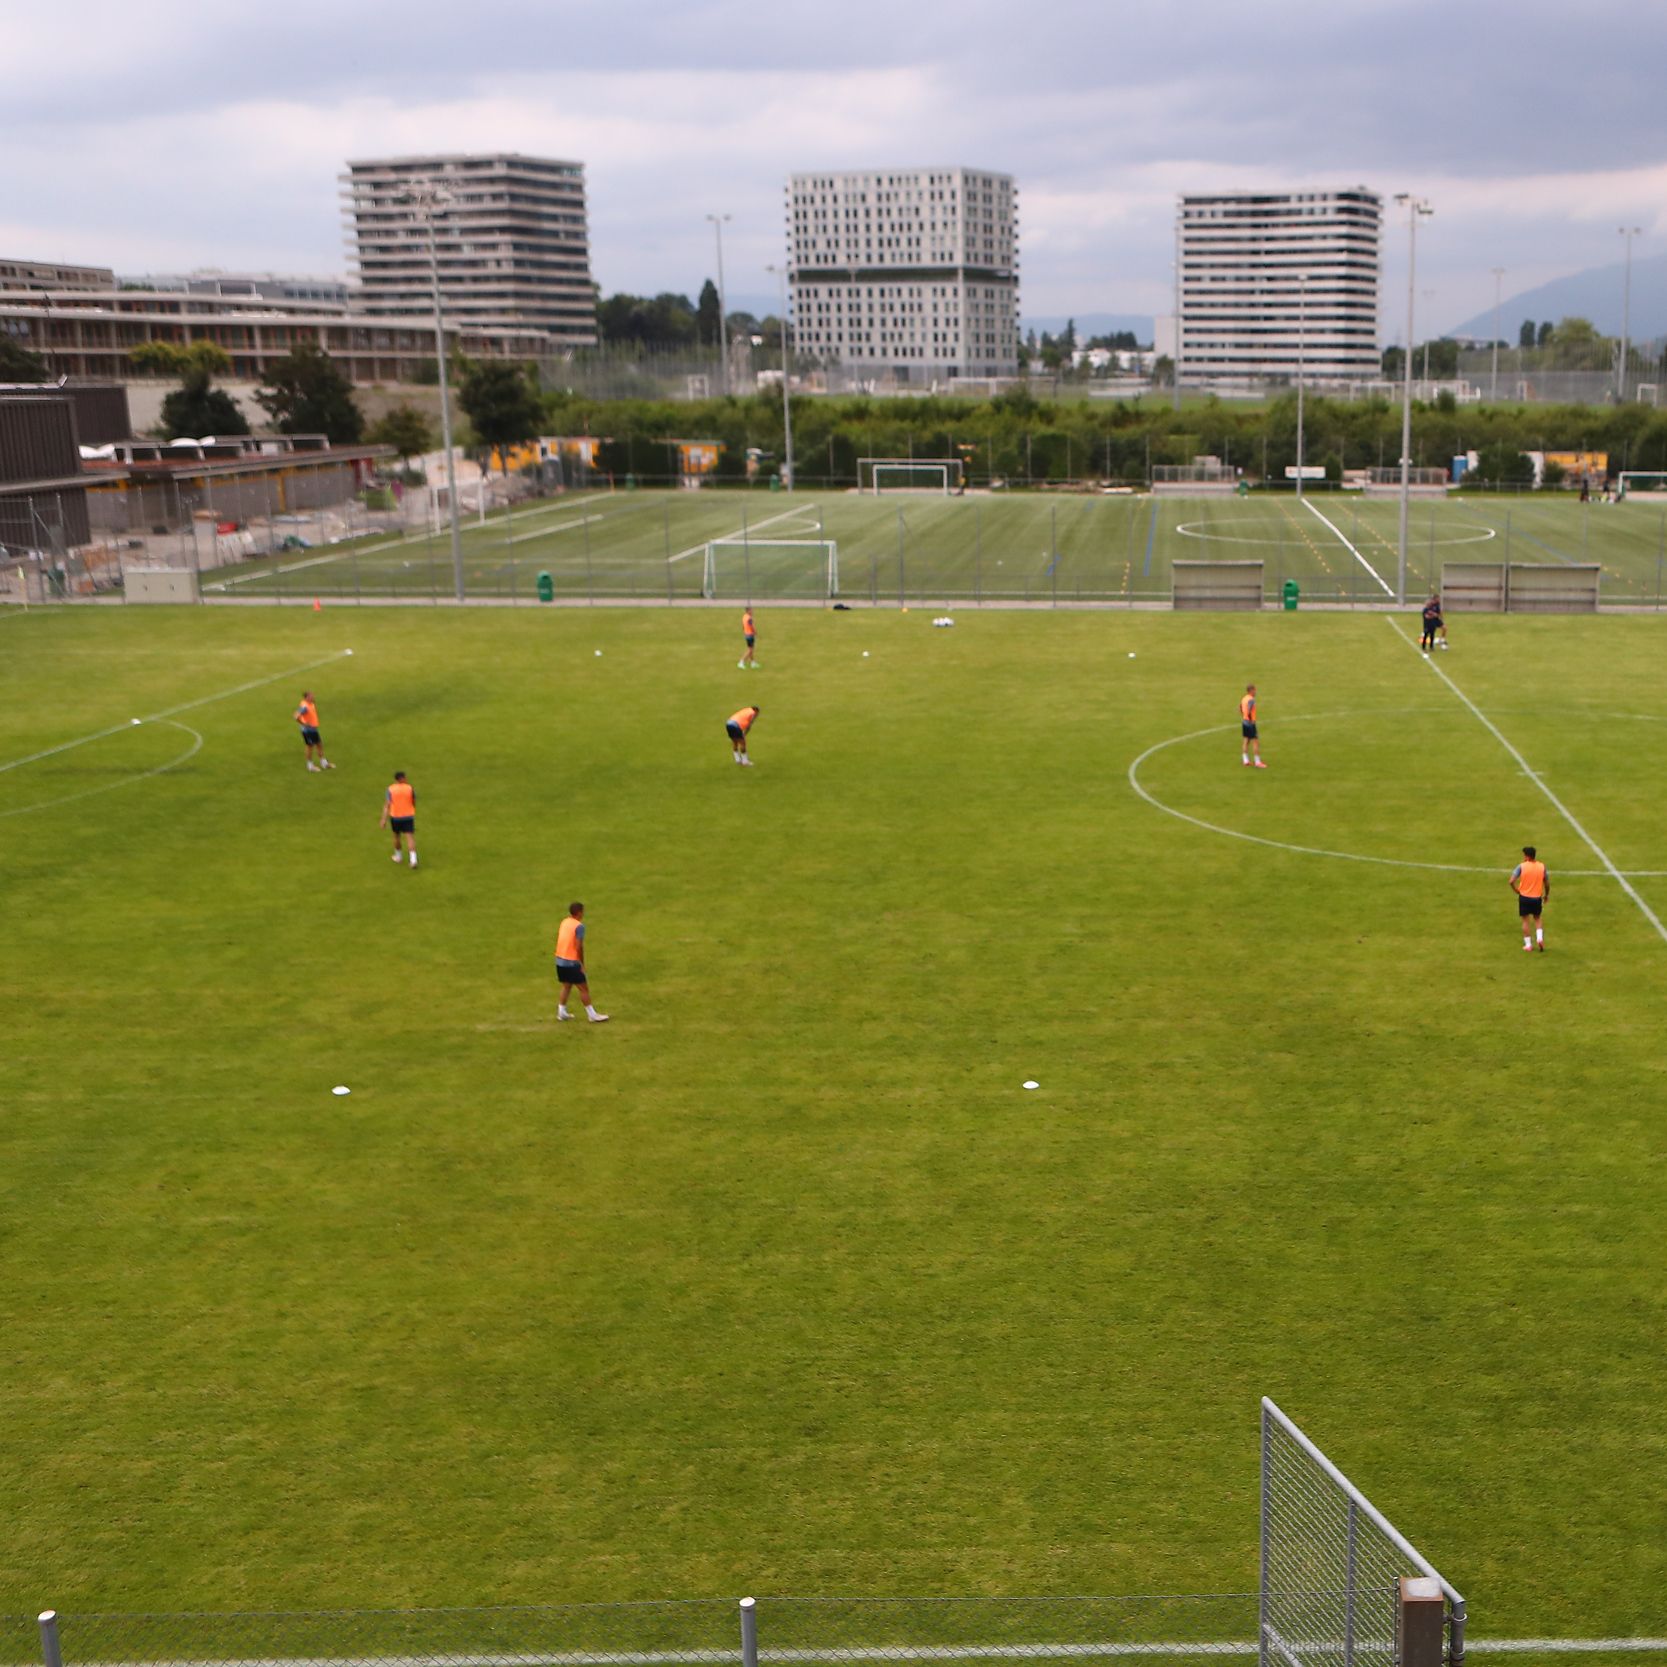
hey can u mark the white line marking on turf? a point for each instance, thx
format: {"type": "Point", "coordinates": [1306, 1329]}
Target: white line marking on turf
{"type": "Point", "coordinates": [126, 781]}
{"type": "Point", "coordinates": [1387, 591]}
{"type": "Point", "coordinates": [1528, 770]}
{"type": "Point", "coordinates": [172, 711]}
{"type": "Point", "coordinates": [1568, 1646]}
{"type": "Point", "coordinates": [741, 532]}
{"type": "Point", "coordinates": [1317, 850]}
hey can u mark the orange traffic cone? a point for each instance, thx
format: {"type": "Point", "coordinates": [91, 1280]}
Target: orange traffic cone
{"type": "Point", "coordinates": [318, 607]}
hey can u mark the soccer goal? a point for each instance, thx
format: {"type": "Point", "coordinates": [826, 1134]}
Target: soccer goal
{"type": "Point", "coordinates": [1651, 481]}
{"type": "Point", "coordinates": [744, 567]}
{"type": "Point", "coordinates": [1333, 1564]}
{"type": "Point", "coordinates": [910, 474]}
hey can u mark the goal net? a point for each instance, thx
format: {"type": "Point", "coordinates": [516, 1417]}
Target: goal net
{"type": "Point", "coordinates": [1652, 481]}
{"type": "Point", "coordinates": [1331, 1563]}
{"type": "Point", "coordinates": [743, 567]}
{"type": "Point", "coordinates": [909, 474]}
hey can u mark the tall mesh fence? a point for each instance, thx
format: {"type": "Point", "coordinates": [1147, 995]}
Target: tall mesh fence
{"type": "Point", "coordinates": [683, 1634]}
{"type": "Point", "coordinates": [1331, 1563]}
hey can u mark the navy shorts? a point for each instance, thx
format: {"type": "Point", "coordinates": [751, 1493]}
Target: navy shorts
{"type": "Point", "coordinates": [1527, 906]}
{"type": "Point", "coordinates": [1248, 731]}
{"type": "Point", "coordinates": [310, 736]}
{"type": "Point", "coordinates": [569, 972]}
{"type": "Point", "coordinates": [403, 824]}
{"type": "Point", "coordinates": [735, 732]}
{"type": "Point", "coordinates": [750, 641]}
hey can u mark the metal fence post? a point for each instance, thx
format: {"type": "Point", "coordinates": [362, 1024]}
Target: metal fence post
{"type": "Point", "coordinates": [1262, 1585]}
{"type": "Point", "coordinates": [1348, 1590]}
{"type": "Point", "coordinates": [749, 1634]}
{"type": "Point", "coordinates": [902, 598]}
{"type": "Point", "coordinates": [978, 556]}
{"type": "Point", "coordinates": [51, 1653]}
{"type": "Point", "coordinates": [590, 577]}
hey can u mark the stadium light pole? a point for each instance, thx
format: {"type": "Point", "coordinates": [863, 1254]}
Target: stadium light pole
{"type": "Point", "coordinates": [430, 200]}
{"type": "Point", "coordinates": [786, 398]}
{"type": "Point", "coordinates": [723, 315]}
{"type": "Point", "coordinates": [1302, 348]}
{"type": "Point", "coordinates": [1417, 208]}
{"type": "Point", "coordinates": [1493, 381]}
{"type": "Point", "coordinates": [1627, 232]}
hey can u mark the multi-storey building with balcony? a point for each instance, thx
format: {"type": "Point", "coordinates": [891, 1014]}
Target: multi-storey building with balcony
{"type": "Point", "coordinates": [511, 240]}
{"type": "Point", "coordinates": [909, 275]}
{"type": "Point", "coordinates": [1270, 280]}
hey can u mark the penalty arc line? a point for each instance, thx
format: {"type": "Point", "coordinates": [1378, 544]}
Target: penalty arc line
{"type": "Point", "coordinates": [1557, 804]}
{"type": "Point", "coordinates": [173, 711]}
{"type": "Point", "coordinates": [1387, 591]}
{"type": "Point", "coordinates": [126, 781]}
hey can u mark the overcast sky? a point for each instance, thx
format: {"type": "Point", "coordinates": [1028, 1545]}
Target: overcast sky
{"type": "Point", "coordinates": [171, 135]}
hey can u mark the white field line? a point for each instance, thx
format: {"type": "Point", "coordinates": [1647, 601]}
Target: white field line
{"type": "Point", "coordinates": [311, 561]}
{"type": "Point", "coordinates": [1528, 770]}
{"type": "Point", "coordinates": [1387, 589]}
{"type": "Point", "coordinates": [174, 711]}
{"type": "Point", "coordinates": [126, 781]}
{"type": "Point", "coordinates": [544, 532]}
{"type": "Point", "coordinates": [742, 532]}
{"type": "Point", "coordinates": [1175, 1649]}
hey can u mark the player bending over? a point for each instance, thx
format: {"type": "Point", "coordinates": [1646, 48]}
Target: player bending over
{"type": "Point", "coordinates": [736, 727]}
{"type": "Point", "coordinates": [306, 714]}
{"type": "Point", "coordinates": [570, 965]}
{"type": "Point", "coordinates": [399, 812]}
{"type": "Point", "coordinates": [1531, 881]}
{"type": "Point", "coordinates": [1248, 741]}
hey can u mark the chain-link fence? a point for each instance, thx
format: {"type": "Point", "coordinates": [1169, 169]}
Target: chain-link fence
{"type": "Point", "coordinates": [745, 1633]}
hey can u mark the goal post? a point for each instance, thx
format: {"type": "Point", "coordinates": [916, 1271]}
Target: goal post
{"type": "Point", "coordinates": [1651, 481]}
{"type": "Point", "coordinates": [1332, 1564]}
{"type": "Point", "coordinates": [942, 475]}
{"type": "Point", "coordinates": [739, 566]}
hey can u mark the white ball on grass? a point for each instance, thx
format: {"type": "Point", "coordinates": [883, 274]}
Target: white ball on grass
{"type": "Point", "coordinates": [599, 654]}
{"type": "Point", "coordinates": [1032, 1084]}
{"type": "Point", "coordinates": [348, 652]}
{"type": "Point", "coordinates": [341, 1088]}
{"type": "Point", "coordinates": [1131, 656]}
{"type": "Point", "coordinates": [136, 720]}
{"type": "Point", "coordinates": [865, 654]}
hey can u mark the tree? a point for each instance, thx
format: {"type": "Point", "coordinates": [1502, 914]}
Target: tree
{"type": "Point", "coordinates": [196, 408]}
{"type": "Point", "coordinates": [308, 394]}
{"type": "Point", "coordinates": [665, 320]}
{"type": "Point", "coordinates": [1543, 339]}
{"type": "Point", "coordinates": [405, 429]}
{"type": "Point", "coordinates": [1525, 336]}
{"type": "Point", "coordinates": [18, 364]}
{"type": "Point", "coordinates": [1394, 363]}
{"type": "Point", "coordinates": [503, 405]}
{"type": "Point", "coordinates": [708, 322]}
{"type": "Point", "coordinates": [1068, 339]}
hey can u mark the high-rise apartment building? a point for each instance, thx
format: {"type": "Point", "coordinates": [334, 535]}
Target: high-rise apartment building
{"type": "Point", "coordinates": [1268, 278]}
{"type": "Point", "coordinates": [911, 274]}
{"type": "Point", "coordinates": [513, 242]}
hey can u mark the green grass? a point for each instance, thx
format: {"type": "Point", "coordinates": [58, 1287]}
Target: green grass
{"type": "Point", "coordinates": [1038, 547]}
{"type": "Point", "coordinates": [779, 1282]}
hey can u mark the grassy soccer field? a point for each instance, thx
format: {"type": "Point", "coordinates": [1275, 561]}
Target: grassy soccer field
{"type": "Point", "coordinates": [918, 547]}
{"type": "Point", "coordinates": [780, 1281]}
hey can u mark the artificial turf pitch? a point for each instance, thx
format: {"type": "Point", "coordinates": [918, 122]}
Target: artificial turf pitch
{"type": "Point", "coordinates": [780, 1281]}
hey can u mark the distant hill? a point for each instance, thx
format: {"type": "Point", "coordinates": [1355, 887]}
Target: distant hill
{"type": "Point", "coordinates": [1100, 324]}
{"type": "Point", "coordinates": [1594, 294]}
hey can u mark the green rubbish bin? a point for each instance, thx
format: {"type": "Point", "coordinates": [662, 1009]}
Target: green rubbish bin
{"type": "Point", "coordinates": [547, 588]}
{"type": "Point", "coordinates": [1243, 488]}
{"type": "Point", "coordinates": [1292, 591]}
{"type": "Point", "coordinates": [775, 483]}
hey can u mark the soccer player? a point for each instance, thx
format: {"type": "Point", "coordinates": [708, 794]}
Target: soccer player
{"type": "Point", "coordinates": [570, 965]}
{"type": "Point", "coordinates": [736, 727]}
{"type": "Point", "coordinates": [1433, 623]}
{"type": "Point", "coordinates": [1531, 881]}
{"type": "Point", "coordinates": [751, 636]}
{"type": "Point", "coordinates": [1248, 742]}
{"type": "Point", "coordinates": [306, 714]}
{"type": "Point", "coordinates": [399, 812]}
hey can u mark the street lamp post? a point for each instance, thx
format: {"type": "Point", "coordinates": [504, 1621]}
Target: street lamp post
{"type": "Point", "coordinates": [786, 399]}
{"type": "Point", "coordinates": [1627, 232]}
{"type": "Point", "coordinates": [723, 315]}
{"type": "Point", "coordinates": [1417, 209]}
{"type": "Point", "coordinates": [430, 200]}
{"type": "Point", "coordinates": [1493, 381]}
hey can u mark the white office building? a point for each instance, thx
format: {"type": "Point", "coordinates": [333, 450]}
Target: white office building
{"type": "Point", "coordinates": [513, 242]}
{"type": "Point", "coordinates": [909, 275]}
{"type": "Point", "coordinates": [1269, 279]}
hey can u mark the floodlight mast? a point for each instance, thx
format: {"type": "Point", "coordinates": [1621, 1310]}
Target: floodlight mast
{"type": "Point", "coordinates": [1627, 232]}
{"type": "Point", "coordinates": [723, 317]}
{"type": "Point", "coordinates": [1302, 346]}
{"type": "Point", "coordinates": [430, 200]}
{"type": "Point", "coordinates": [1417, 208]}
